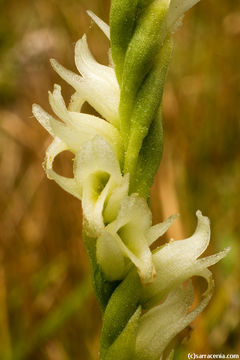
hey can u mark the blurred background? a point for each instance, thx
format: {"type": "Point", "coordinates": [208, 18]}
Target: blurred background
{"type": "Point", "coordinates": [47, 307]}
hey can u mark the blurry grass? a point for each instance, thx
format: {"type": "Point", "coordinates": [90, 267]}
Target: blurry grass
{"type": "Point", "coordinates": [62, 313]}
{"type": "Point", "coordinates": [46, 311]}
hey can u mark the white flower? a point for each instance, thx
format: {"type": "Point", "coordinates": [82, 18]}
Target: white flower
{"type": "Point", "coordinates": [129, 238]}
{"type": "Point", "coordinates": [98, 86]}
{"type": "Point", "coordinates": [95, 141]}
{"type": "Point", "coordinates": [98, 175]}
{"type": "Point", "coordinates": [177, 261]}
{"type": "Point", "coordinates": [161, 324]}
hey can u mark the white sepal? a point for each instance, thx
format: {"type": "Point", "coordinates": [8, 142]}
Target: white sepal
{"type": "Point", "coordinates": [68, 184]}
{"type": "Point", "coordinates": [158, 230]}
{"type": "Point", "coordinates": [98, 86]}
{"type": "Point", "coordinates": [162, 323]}
{"type": "Point", "coordinates": [100, 23]}
{"type": "Point", "coordinates": [110, 257]}
{"type": "Point", "coordinates": [76, 102]}
{"type": "Point", "coordinates": [43, 118]}
{"type": "Point", "coordinates": [85, 126]}
{"type": "Point", "coordinates": [177, 261]}
{"type": "Point", "coordinates": [177, 9]}
{"type": "Point", "coordinates": [88, 67]}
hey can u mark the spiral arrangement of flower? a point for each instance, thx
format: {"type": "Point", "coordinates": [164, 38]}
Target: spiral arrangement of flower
{"type": "Point", "coordinates": [141, 291]}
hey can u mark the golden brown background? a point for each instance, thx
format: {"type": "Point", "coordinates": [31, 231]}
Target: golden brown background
{"type": "Point", "coordinates": [47, 308]}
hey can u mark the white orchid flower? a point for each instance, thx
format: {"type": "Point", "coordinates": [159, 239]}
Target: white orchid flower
{"type": "Point", "coordinates": [158, 326]}
{"type": "Point", "coordinates": [97, 86]}
{"type": "Point", "coordinates": [97, 172]}
{"type": "Point", "coordinates": [75, 128]}
{"type": "Point", "coordinates": [129, 238]}
{"type": "Point", "coordinates": [177, 261]}
{"type": "Point", "coordinates": [94, 141]}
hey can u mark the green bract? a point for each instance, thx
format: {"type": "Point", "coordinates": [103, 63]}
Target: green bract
{"type": "Point", "coordinates": [141, 44]}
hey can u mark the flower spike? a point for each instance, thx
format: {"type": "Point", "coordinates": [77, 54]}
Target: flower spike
{"type": "Point", "coordinates": [146, 293]}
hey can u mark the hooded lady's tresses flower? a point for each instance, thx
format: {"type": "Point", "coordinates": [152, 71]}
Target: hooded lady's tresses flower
{"type": "Point", "coordinates": [97, 86]}
{"type": "Point", "coordinates": [122, 224]}
{"type": "Point", "coordinates": [166, 302]}
{"type": "Point", "coordinates": [97, 173]}
{"type": "Point", "coordinates": [129, 238]}
{"type": "Point", "coordinates": [95, 141]}
{"type": "Point", "coordinates": [174, 263]}
{"type": "Point", "coordinates": [179, 260]}
{"type": "Point", "coordinates": [97, 180]}
{"type": "Point", "coordinates": [158, 326]}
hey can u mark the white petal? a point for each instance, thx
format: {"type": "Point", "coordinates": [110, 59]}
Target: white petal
{"type": "Point", "coordinates": [89, 67]}
{"type": "Point", "coordinates": [78, 128]}
{"type": "Point", "coordinates": [197, 243]}
{"type": "Point", "coordinates": [97, 170]}
{"type": "Point", "coordinates": [58, 104]}
{"type": "Point", "coordinates": [76, 102]}
{"type": "Point", "coordinates": [137, 250]}
{"type": "Point", "coordinates": [76, 81]}
{"type": "Point", "coordinates": [101, 24]}
{"type": "Point", "coordinates": [56, 147]}
{"type": "Point", "coordinates": [207, 275]}
{"type": "Point", "coordinates": [129, 230]}
{"type": "Point", "coordinates": [104, 99]}
{"type": "Point", "coordinates": [87, 126]}
{"type": "Point", "coordinates": [162, 323]}
{"type": "Point", "coordinates": [100, 94]}
{"type": "Point", "coordinates": [58, 129]}
{"type": "Point", "coordinates": [110, 257]}
{"type": "Point", "coordinates": [69, 136]}
{"type": "Point", "coordinates": [96, 156]}
{"type": "Point", "coordinates": [43, 118]}
{"type": "Point", "coordinates": [113, 205]}
{"type": "Point", "coordinates": [68, 184]}
{"type": "Point", "coordinates": [94, 194]}
{"type": "Point", "coordinates": [176, 262]}
{"type": "Point", "coordinates": [177, 9]}
{"type": "Point", "coordinates": [100, 78]}
{"type": "Point", "coordinates": [92, 126]}
{"type": "Point", "coordinates": [159, 229]}
{"type": "Point", "coordinates": [213, 259]}
{"type": "Point", "coordinates": [132, 209]}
